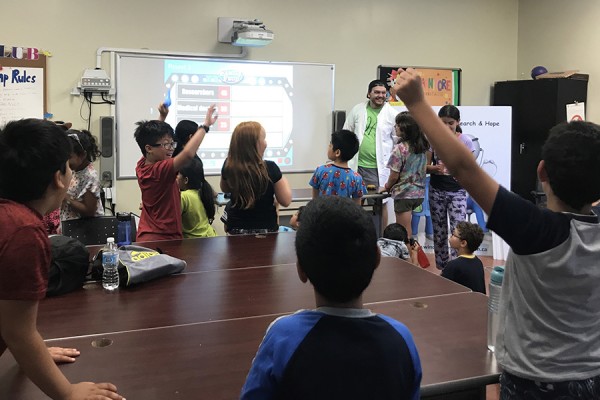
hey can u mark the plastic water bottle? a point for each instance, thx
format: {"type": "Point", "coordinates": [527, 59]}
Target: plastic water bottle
{"type": "Point", "coordinates": [494, 305]}
{"type": "Point", "coordinates": [124, 229]}
{"type": "Point", "coordinates": [110, 263]}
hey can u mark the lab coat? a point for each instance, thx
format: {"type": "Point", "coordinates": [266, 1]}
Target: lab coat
{"type": "Point", "coordinates": [356, 121]}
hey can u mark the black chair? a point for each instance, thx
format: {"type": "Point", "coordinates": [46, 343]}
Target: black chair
{"type": "Point", "coordinates": [94, 230]}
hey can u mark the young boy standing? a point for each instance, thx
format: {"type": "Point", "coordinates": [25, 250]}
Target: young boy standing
{"type": "Point", "coordinates": [548, 343]}
{"type": "Point", "coordinates": [339, 350]}
{"type": "Point", "coordinates": [156, 173]}
{"type": "Point", "coordinates": [336, 178]}
{"type": "Point", "coordinates": [467, 269]}
{"type": "Point", "coordinates": [34, 177]}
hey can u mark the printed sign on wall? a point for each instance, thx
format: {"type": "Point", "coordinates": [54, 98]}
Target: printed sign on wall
{"type": "Point", "coordinates": [21, 93]}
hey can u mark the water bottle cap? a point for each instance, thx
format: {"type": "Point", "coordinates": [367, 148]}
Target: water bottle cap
{"type": "Point", "coordinates": [110, 240]}
{"type": "Point", "coordinates": [124, 216]}
{"type": "Point", "coordinates": [497, 275]}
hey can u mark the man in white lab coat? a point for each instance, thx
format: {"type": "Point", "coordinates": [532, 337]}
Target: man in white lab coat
{"type": "Point", "coordinates": [373, 122]}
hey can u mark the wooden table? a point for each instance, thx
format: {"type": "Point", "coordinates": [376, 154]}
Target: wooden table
{"type": "Point", "coordinates": [211, 359]}
{"type": "Point", "coordinates": [305, 195]}
{"type": "Point", "coordinates": [227, 252]}
{"type": "Point", "coordinates": [376, 208]}
{"type": "Point", "coordinates": [217, 295]}
{"type": "Point", "coordinates": [194, 335]}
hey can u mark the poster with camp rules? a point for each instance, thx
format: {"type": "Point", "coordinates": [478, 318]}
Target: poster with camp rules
{"type": "Point", "coordinates": [21, 93]}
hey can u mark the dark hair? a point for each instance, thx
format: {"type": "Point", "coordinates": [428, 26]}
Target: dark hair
{"type": "Point", "coordinates": [194, 172]}
{"type": "Point", "coordinates": [31, 151]}
{"type": "Point", "coordinates": [571, 161]}
{"type": "Point", "coordinates": [334, 222]}
{"type": "Point", "coordinates": [299, 213]}
{"type": "Point", "coordinates": [346, 142]}
{"type": "Point", "coordinates": [471, 233]}
{"type": "Point", "coordinates": [150, 132]}
{"type": "Point", "coordinates": [84, 143]}
{"type": "Point", "coordinates": [449, 111]}
{"type": "Point", "coordinates": [183, 130]}
{"type": "Point", "coordinates": [458, 129]}
{"type": "Point", "coordinates": [396, 231]}
{"type": "Point", "coordinates": [412, 133]}
{"type": "Point", "coordinates": [375, 83]}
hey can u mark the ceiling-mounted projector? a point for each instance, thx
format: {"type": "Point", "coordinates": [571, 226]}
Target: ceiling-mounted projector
{"type": "Point", "coordinates": [251, 34]}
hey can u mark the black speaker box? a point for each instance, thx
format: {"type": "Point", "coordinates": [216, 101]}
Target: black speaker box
{"type": "Point", "coordinates": [339, 117]}
{"type": "Point", "coordinates": [107, 125]}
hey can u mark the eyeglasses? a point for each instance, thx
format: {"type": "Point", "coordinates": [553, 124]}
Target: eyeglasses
{"type": "Point", "coordinates": [76, 137]}
{"type": "Point", "coordinates": [166, 146]}
{"type": "Point", "coordinates": [456, 236]}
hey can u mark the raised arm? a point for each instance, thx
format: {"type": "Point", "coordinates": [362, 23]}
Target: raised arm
{"type": "Point", "coordinates": [190, 149]}
{"type": "Point", "coordinates": [163, 112]}
{"type": "Point", "coordinates": [457, 157]}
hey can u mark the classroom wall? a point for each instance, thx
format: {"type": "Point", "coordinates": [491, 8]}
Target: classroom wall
{"type": "Point", "coordinates": [562, 36]}
{"type": "Point", "coordinates": [479, 36]}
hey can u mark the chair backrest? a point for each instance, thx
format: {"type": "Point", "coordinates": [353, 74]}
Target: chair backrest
{"type": "Point", "coordinates": [425, 206]}
{"type": "Point", "coordinates": [94, 230]}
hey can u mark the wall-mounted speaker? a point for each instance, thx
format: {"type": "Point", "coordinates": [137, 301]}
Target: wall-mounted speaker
{"type": "Point", "coordinates": [107, 160]}
{"type": "Point", "coordinates": [107, 132]}
{"type": "Point", "coordinates": [339, 117]}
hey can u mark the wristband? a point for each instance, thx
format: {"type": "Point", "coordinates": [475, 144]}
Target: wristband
{"type": "Point", "coordinates": [205, 127]}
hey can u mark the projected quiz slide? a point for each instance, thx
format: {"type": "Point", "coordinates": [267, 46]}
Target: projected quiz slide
{"type": "Point", "coordinates": [292, 101]}
{"type": "Point", "coordinates": [241, 92]}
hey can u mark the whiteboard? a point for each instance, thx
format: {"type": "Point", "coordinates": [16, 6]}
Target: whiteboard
{"type": "Point", "coordinates": [293, 101]}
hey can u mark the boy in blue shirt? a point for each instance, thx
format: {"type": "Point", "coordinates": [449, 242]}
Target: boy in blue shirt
{"type": "Point", "coordinates": [339, 350]}
{"type": "Point", "coordinates": [548, 342]}
{"type": "Point", "coordinates": [336, 178]}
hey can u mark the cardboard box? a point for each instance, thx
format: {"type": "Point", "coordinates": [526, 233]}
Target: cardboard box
{"type": "Point", "coordinates": [571, 74]}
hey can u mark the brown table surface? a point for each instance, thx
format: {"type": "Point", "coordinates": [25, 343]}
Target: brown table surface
{"type": "Point", "coordinates": [227, 252]}
{"type": "Point", "coordinates": [215, 295]}
{"type": "Point", "coordinates": [211, 359]}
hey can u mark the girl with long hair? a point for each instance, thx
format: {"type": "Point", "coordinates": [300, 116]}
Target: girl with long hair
{"type": "Point", "coordinates": [254, 183]}
{"type": "Point", "coordinates": [447, 198]}
{"type": "Point", "coordinates": [407, 163]}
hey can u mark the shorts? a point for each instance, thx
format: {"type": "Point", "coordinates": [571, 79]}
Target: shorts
{"type": "Point", "coordinates": [515, 388]}
{"type": "Point", "coordinates": [405, 205]}
{"type": "Point", "coordinates": [370, 176]}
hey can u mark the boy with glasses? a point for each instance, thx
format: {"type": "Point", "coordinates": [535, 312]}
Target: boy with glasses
{"type": "Point", "coordinates": [467, 268]}
{"type": "Point", "coordinates": [156, 173]}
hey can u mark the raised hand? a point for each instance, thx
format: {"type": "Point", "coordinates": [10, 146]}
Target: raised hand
{"type": "Point", "coordinates": [409, 86]}
{"type": "Point", "coordinates": [211, 115]}
{"type": "Point", "coordinates": [163, 109]}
